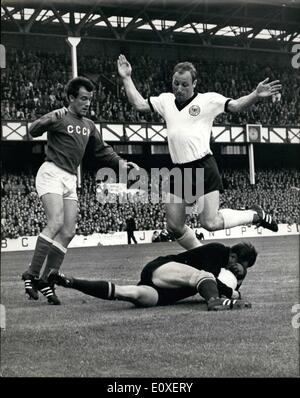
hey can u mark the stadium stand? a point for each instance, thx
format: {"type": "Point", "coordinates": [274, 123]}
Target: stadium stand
{"type": "Point", "coordinates": [34, 85]}
{"type": "Point", "coordinates": [22, 213]}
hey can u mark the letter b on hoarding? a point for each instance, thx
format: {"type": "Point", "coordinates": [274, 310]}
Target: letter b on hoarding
{"type": "Point", "coordinates": [296, 57]}
{"type": "Point", "coordinates": [2, 317]}
{"type": "Point", "coordinates": [2, 56]}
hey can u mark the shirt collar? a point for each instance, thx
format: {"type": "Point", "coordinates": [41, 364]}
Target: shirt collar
{"type": "Point", "coordinates": [180, 106]}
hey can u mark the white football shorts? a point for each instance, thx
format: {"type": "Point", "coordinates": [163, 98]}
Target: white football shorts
{"type": "Point", "coordinates": [52, 179]}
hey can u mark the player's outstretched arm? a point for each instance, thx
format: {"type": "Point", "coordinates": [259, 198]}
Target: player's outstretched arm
{"type": "Point", "coordinates": [134, 97]}
{"type": "Point", "coordinates": [105, 154]}
{"type": "Point", "coordinates": [263, 90]}
{"type": "Point", "coordinates": [42, 124]}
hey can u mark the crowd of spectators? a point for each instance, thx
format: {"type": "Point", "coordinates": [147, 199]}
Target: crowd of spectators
{"type": "Point", "coordinates": [276, 191]}
{"type": "Point", "coordinates": [34, 85]}
{"type": "Point", "coordinates": [22, 213]}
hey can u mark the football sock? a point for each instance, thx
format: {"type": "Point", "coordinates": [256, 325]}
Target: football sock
{"type": "Point", "coordinates": [41, 251]}
{"type": "Point", "coordinates": [208, 288]}
{"type": "Point", "coordinates": [233, 218]}
{"type": "Point", "coordinates": [188, 240]}
{"type": "Point", "coordinates": [101, 289]}
{"type": "Point", "coordinates": [55, 258]}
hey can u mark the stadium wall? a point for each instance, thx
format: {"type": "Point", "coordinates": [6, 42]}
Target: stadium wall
{"type": "Point", "coordinates": [120, 238]}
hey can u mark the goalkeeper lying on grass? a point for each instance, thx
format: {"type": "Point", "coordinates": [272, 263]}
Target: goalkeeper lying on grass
{"type": "Point", "coordinates": [214, 270]}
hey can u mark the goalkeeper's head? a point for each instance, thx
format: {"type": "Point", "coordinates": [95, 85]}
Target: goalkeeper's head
{"type": "Point", "coordinates": [242, 256]}
{"type": "Point", "coordinates": [245, 252]}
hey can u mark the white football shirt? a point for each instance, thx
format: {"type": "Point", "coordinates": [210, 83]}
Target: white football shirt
{"type": "Point", "coordinates": [189, 129]}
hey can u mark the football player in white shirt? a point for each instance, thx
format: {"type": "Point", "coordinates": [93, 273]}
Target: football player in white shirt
{"type": "Point", "coordinates": [189, 118]}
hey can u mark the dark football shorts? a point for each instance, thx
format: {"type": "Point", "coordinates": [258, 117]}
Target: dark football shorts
{"type": "Point", "coordinates": [165, 296]}
{"type": "Point", "coordinates": [212, 178]}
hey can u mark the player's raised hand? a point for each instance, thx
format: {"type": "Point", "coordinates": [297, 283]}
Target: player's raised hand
{"type": "Point", "coordinates": [124, 67]}
{"type": "Point", "coordinates": [265, 89]}
{"type": "Point", "coordinates": [58, 114]}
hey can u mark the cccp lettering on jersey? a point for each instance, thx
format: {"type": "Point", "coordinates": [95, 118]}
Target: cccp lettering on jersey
{"type": "Point", "coordinates": [78, 130]}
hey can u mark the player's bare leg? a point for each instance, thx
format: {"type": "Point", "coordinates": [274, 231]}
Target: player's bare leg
{"type": "Point", "coordinates": [213, 219]}
{"type": "Point", "coordinates": [210, 218]}
{"type": "Point", "coordinates": [141, 296]}
{"type": "Point", "coordinates": [176, 215]}
{"type": "Point", "coordinates": [53, 206]}
{"type": "Point", "coordinates": [68, 230]}
{"type": "Point", "coordinates": [174, 275]}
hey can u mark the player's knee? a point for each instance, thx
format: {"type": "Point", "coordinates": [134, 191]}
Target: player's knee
{"type": "Point", "coordinates": [55, 225]}
{"type": "Point", "coordinates": [209, 224]}
{"type": "Point", "coordinates": [175, 229]}
{"type": "Point", "coordinates": [199, 276]}
{"type": "Point", "coordinates": [68, 233]}
{"type": "Point", "coordinates": [145, 296]}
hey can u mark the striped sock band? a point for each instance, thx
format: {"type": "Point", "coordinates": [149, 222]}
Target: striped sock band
{"type": "Point", "coordinates": [111, 291]}
{"type": "Point", "coordinates": [28, 284]}
{"type": "Point", "coordinates": [47, 291]}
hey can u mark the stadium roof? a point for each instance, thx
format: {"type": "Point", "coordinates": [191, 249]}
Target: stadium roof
{"type": "Point", "coordinates": [244, 23]}
{"type": "Point", "coordinates": [158, 3]}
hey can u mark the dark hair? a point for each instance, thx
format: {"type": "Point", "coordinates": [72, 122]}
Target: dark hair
{"type": "Point", "coordinates": [73, 86]}
{"type": "Point", "coordinates": [186, 67]}
{"type": "Point", "coordinates": [245, 251]}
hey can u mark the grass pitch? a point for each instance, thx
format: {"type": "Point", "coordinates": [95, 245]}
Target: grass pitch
{"type": "Point", "coordinates": [88, 337]}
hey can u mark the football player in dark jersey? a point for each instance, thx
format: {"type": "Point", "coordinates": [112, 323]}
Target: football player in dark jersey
{"type": "Point", "coordinates": [168, 279]}
{"type": "Point", "coordinates": [69, 131]}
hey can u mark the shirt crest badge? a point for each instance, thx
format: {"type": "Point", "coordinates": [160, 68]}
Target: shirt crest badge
{"type": "Point", "coordinates": [194, 110]}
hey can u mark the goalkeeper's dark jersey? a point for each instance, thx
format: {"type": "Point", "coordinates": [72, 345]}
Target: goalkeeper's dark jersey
{"type": "Point", "coordinates": [211, 257]}
{"type": "Point", "coordinates": [68, 138]}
